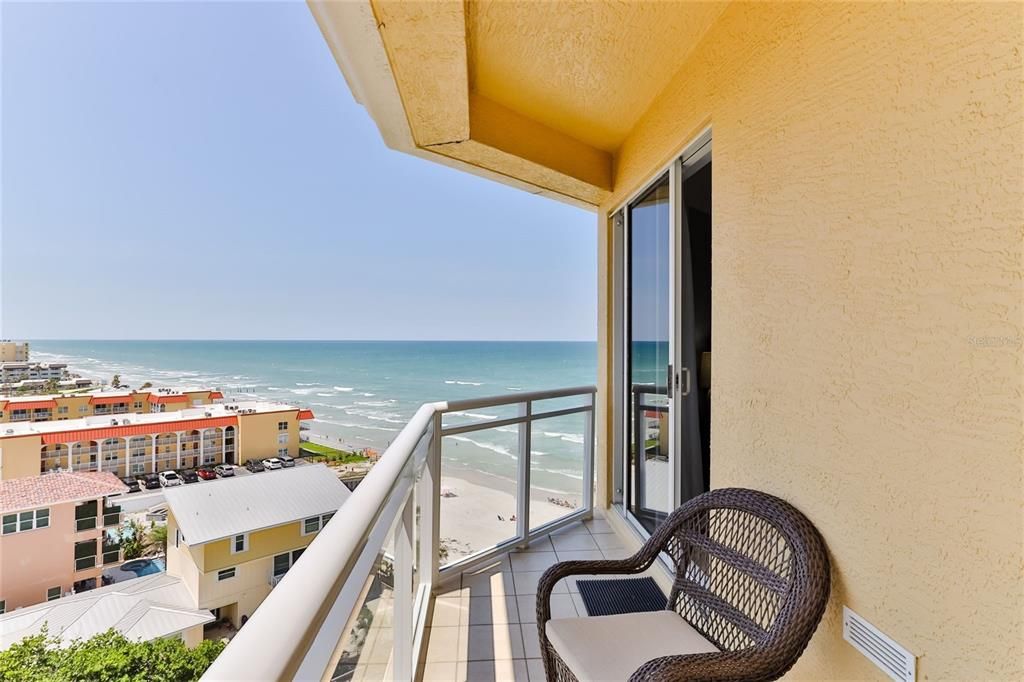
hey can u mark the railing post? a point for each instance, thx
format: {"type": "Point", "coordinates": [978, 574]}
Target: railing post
{"type": "Point", "coordinates": [588, 456]}
{"type": "Point", "coordinates": [402, 666]}
{"type": "Point", "coordinates": [523, 475]}
{"type": "Point", "coordinates": [431, 538]}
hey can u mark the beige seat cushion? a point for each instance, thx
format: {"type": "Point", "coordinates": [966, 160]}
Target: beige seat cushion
{"type": "Point", "coordinates": [613, 647]}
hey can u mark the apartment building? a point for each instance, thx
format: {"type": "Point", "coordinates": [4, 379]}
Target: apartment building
{"type": "Point", "coordinates": [13, 351]}
{"type": "Point", "coordinates": [231, 545]}
{"type": "Point", "coordinates": [12, 372]}
{"type": "Point", "coordinates": [53, 539]}
{"type": "Point", "coordinates": [136, 443]}
{"type": "Point", "coordinates": [101, 403]}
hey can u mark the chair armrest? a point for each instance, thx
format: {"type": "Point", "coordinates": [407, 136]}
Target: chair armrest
{"type": "Point", "coordinates": [722, 666]}
{"type": "Point", "coordinates": [637, 563]}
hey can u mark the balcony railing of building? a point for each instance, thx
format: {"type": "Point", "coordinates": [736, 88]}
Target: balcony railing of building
{"type": "Point", "coordinates": [111, 516]}
{"type": "Point", "coordinates": [383, 550]}
{"type": "Point", "coordinates": [85, 562]}
{"type": "Point", "coordinates": [111, 554]}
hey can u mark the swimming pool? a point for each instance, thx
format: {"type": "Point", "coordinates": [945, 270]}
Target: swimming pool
{"type": "Point", "coordinates": [141, 567]}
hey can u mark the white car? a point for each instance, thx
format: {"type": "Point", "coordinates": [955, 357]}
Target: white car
{"type": "Point", "coordinates": [272, 463]}
{"type": "Point", "coordinates": [169, 479]}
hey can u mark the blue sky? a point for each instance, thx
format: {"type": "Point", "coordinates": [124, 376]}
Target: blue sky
{"type": "Point", "coordinates": [200, 170]}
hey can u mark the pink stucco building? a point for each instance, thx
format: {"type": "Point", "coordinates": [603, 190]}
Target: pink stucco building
{"type": "Point", "coordinates": [52, 536]}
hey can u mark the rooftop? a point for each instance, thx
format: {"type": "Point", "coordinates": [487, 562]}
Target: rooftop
{"type": "Point", "coordinates": [141, 609]}
{"type": "Point", "coordinates": [247, 503]}
{"type": "Point", "coordinates": [57, 488]}
{"type": "Point", "coordinates": [212, 411]}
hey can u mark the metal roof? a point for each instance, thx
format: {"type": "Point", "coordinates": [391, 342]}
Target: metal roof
{"type": "Point", "coordinates": [243, 504]}
{"type": "Point", "coordinates": [141, 608]}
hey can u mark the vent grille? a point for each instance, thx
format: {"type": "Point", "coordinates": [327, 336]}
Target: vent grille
{"type": "Point", "coordinates": [890, 657]}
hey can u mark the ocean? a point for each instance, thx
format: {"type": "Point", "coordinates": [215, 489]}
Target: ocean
{"type": "Point", "coordinates": [363, 392]}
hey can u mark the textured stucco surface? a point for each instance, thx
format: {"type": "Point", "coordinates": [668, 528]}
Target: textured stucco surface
{"type": "Point", "coordinates": [868, 306]}
{"type": "Point", "coordinates": [567, 64]}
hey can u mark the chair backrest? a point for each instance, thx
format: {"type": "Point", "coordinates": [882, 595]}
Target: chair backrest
{"type": "Point", "coordinates": [750, 570]}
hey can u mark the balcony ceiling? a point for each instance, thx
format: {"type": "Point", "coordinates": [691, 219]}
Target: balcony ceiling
{"type": "Point", "coordinates": [568, 65]}
{"type": "Point", "coordinates": [538, 95]}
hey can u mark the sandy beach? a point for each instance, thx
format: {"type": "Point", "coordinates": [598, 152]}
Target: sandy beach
{"type": "Point", "coordinates": [477, 510]}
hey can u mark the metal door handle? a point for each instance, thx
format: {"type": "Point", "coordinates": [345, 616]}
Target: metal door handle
{"type": "Point", "coordinates": [686, 384]}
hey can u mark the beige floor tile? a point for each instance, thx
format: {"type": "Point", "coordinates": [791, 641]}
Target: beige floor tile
{"type": "Point", "coordinates": [499, 671]}
{"type": "Point", "coordinates": [568, 542]}
{"type": "Point", "coordinates": [580, 555]}
{"type": "Point", "coordinates": [561, 607]}
{"type": "Point", "coordinates": [608, 541]}
{"type": "Point", "coordinates": [535, 668]}
{"type": "Point", "coordinates": [445, 644]}
{"type": "Point", "coordinates": [526, 583]}
{"type": "Point", "coordinates": [598, 526]}
{"type": "Point", "coordinates": [446, 671]}
{"type": "Point", "coordinates": [531, 641]}
{"type": "Point", "coordinates": [450, 611]}
{"type": "Point", "coordinates": [532, 561]}
{"type": "Point", "coordinates": [621, 553]}
{"type": "Point", "coordinates": [487, 582]}
{"type": "Point", "coordinates": [493, 609]}
{"type": "Point", "coordinates": [539, 545]}
{"type": "Point", "coordinates": [494, 642]}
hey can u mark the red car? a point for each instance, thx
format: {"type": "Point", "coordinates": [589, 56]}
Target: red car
{"type": "Point", "coordinates": [206, 473]}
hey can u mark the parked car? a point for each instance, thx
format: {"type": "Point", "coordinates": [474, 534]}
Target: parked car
{"type": "Point", "coordinates": [190, 476]}
{"type": "Point", "coordinates": [206, 473]}
{"type": "Point", "coordinates": [286, 461]}
{"type": "Point", "coordinates": [148, 481]}
{"type": "Point", "coordinates": [132, 483]}
{"type": "Point", "coordinates": [225, 470]}
{"type": "Point", "coordinates": [254, 465]}
{"type": "Point", "coordinates": [272, 463]}
{"type": "Point", "coordinates": [169, 478]}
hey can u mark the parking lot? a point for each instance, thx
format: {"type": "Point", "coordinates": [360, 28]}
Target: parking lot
{"type": "Point", "coordinates": [145, 499]}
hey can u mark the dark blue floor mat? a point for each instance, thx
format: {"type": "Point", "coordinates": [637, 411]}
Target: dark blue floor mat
{"type": "Point", "coordinates": [627, 595]}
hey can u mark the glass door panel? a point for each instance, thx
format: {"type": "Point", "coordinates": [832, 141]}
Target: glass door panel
{"type": "Point", "coordinates": [650, 495]}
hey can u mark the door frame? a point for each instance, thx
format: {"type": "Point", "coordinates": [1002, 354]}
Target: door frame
{"type": "Point", "coordinates": [691, 157]}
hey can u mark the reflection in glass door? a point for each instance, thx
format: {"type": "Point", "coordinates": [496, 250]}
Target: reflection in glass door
{"type": "Point", "coordinates": [649, 348]}
{"type": "Point", "coordinates": [665, 453]}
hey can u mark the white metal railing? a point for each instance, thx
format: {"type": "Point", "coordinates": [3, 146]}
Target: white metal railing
{"type": "Point", "coordinates": [388, 532]}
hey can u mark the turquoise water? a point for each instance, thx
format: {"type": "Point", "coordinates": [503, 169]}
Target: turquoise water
{"type": "Point", "coordinates": [363, 392]}
{"type": "Point", "coordinates": [141, 567]}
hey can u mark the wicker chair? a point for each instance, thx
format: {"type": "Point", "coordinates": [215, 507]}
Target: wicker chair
{"type": "Point", "coordinates": [751, 584]}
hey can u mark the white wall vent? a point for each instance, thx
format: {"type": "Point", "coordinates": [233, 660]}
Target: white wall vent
{"type": "Point", "coordinates": [894, 660]}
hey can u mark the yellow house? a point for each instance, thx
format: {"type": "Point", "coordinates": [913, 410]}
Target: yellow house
{"type": "Point", "coordinates": [231, 543]}
{"type": "Point", "coordinates": [62, 407]}
{"type": "Point", "coordinates": [810, 247]}
{"type": "Point", "coordinates": [13, 351]}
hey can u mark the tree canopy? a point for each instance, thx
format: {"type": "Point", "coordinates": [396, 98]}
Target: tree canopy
{"type": "Point", "coordinates": [106, 657]}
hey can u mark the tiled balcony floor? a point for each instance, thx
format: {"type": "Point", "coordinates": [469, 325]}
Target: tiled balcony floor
{"type": "Point", "coordinates": [485, 628]}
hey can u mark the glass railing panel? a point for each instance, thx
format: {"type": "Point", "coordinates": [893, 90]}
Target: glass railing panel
{"type": "Point", "coordinates": [564, 403]}
{"type": "Point", "coordinates": [368, 646]}
{"type": "Point", "coordinates": [479, 493]}
{"type": "Point", "coordinates": [558, 452]}
{"type": "Point", "coordinates": [479, 416]}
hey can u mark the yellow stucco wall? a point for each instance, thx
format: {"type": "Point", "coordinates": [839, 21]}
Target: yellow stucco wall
{"type": "Point", "coordinates": [262, 543]}
{"type": "Point", "coordinates": [257, 435]}
{"type": "Point", "coordinates": [20, 456]}
{"type": "Point", "coordinates": [867, 304]}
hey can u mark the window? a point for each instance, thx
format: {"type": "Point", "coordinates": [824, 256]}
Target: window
{"type": "Point", "coordinates": [25, 521]}
{"type": "Point", "coordinates": [240, 543]}
{"type": "Point", "coordinates": [53, 593]}
{"type": "Point", "coordinates": [282, 426]}
{"type": "Point", "coordinates": [63, 409]}
{"type": "Point", "coordinates": [3, 607]}
{"type": "Point", "coordinates": [177, 537]}
{"type": "Point", "coordinates": [82, 409]}
{"type": "Point", "coordinates": [137, 405]}
{"type": "Point", "coordinates": [315, 523]}
{"type": "Point", "coordinates": [226, 574]}
{"type": "Point", "coordinates": [282, 562]}
{"type": "Point", "coordinates": [282, 439]}
{"type": "Point", "coordinates": [282, 452]}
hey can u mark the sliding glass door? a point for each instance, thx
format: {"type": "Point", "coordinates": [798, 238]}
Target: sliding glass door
{"type": "Point", "coordinates": [667, 341]}
{"type": "Point", "coordinates": [649, 351]}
